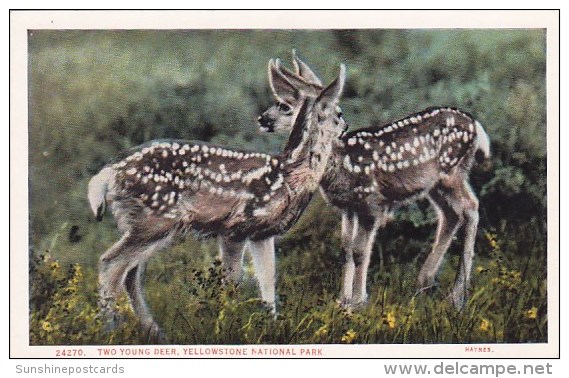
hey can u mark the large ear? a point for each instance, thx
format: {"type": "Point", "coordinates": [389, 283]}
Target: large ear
{"type": "Point", "coordinates": [304, 71]}
{"type": "Point", "coordinates": [298, 82]}
{"type": "Point", "coordinates": [283, 90]}
{"type": "Point", "coordinates": [332, 93]}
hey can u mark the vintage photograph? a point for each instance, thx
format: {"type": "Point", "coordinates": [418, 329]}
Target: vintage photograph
{"type": "Point", "coordinates": [288, 187]}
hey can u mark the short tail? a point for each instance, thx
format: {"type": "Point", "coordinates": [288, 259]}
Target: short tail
{"type": "Point", "coordinates": [482, 143]}
{"type": "Point", "coordinates": [97, 191]}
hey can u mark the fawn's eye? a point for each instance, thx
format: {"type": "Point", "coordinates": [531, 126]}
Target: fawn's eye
{"type": "Point", "coordinates": [339, 112]}
{"type": "Point", "coordinates": [283, 107]}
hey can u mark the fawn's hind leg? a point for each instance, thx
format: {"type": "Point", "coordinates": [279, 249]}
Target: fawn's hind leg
{"type": "Point", "coordinates": [469, 206]}
{"type": "Point", "coordinates": [457, 205]}
{"type": "Point", "coordinates": [120, 272]}
{"type": "Point", "coordinates": [135, 291]}
{"type": "Point", "coordinates": [449, 221]}
{"type": "Point", "coordinates": [113, 268]}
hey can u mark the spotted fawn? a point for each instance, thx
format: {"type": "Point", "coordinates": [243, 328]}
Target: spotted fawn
{"type": "Point", "coordinates": [165, 189]}
{"type": "Point", "coordinates": [375, 170]}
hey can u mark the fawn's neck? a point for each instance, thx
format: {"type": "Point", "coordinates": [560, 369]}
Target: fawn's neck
{"type": "Point", "coordinates": [307, 151]}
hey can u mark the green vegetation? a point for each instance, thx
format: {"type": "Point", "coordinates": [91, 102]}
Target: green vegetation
{"type": "Point", "coordinates": [94, 94]}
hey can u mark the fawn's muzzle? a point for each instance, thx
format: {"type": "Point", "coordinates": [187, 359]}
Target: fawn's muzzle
{"type": "Point", "coordinates": [266, 124]}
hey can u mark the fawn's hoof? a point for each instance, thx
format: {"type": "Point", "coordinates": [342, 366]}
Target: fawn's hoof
{"type": "Point", "coordinates": [351, 303]}
{"type": "Point", "coordinates": [154, 334]}
{"type": "Point", "coordinates": [344, 302]}
{"type": "Point", "coordinates": [458, 299]}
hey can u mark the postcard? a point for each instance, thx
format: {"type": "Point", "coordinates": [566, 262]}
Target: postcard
{"type": "Point", "coordinates": [284, 184]}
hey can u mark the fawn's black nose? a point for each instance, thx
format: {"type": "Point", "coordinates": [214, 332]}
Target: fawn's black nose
{"type": "Point", "coordinates": [266, 124]}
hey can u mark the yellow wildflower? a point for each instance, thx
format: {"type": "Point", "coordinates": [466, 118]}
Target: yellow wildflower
{"type": "Point", "coordinates": [321, 332]}
{"type": "Point", "coordinates": [480, 269]}
{"type": "Point", "coordinates": [349, 336]}
{"type": "Point", "coordinates": [46, 326]}
{"type": "Point", "coordinates": [78, 271]}
{"type": "Point", "coordinates": [532, 313]}
{"type": "Point", "coordinates": [390, 319]}
{"type": "Point", "coordinates": [484, 325]}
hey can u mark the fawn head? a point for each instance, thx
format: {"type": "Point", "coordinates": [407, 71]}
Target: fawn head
{"type": "Point", "coordinates": [316, 121]}
{"type": "Point", "coordinates": [290, 90]}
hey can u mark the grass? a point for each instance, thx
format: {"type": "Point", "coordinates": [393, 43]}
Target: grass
{"type": "Point", "coordinates": [185, 292]}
